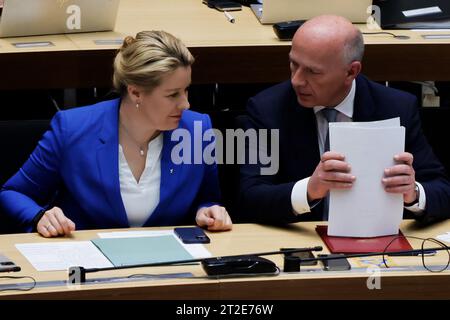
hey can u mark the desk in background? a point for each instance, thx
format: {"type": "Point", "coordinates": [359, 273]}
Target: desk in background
{"type": "Point", "coordinates": [243, 52]}
{"type": "Point", "coordinates": [245, 238]}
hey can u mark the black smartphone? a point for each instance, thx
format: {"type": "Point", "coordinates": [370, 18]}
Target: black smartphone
{"type": "Point", "coordinates": [192, 235]}
{"type": "Point", "coordinates": [228, 6]}
{"type": "Point", "coordinates": [223, 5]}
{"type": "Point", "coordinates": [302, 256]}
{"type": "Point", "coordinates": [7, 265]}
{"type": "Point", "coordinates": [335, 264]}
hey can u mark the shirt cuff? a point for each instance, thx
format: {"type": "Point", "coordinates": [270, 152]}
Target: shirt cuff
{"type": "Point", "coordinates": [419, 207]}
{"type": "Point", "coordinates": [299, 197]}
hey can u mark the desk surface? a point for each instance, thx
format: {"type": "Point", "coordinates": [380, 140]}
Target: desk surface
{"type": "Point", "coordinates": [245, 51]}
{"type": "Point", "coordinates": [197, 25]}
{"type": "Point", "coordinates": [245, 238]}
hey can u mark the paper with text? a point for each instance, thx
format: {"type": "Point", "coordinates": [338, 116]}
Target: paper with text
{"type": "Point", "coordinates": [366, 210]}
{"type": "Point", "coordinates": [62, 255]}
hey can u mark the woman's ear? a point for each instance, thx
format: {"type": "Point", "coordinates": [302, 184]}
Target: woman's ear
{"type": "Point", "coordinates": [134, 93]}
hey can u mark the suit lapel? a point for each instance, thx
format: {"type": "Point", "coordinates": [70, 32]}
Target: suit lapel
{"type": "Point", "coordinates": [302, 139]}
{"type": "Point", "coordinates": [108, 164]}
{"type": "Point", "coordinates": [364, 107]}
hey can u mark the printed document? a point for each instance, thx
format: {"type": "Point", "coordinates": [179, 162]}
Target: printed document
{"type": "Point", "coordinates": [62, 255]}
{"type": "Point", "coordinates": [366, 210]}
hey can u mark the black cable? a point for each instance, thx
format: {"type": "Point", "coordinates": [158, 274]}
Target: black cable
{"type": "Point", "coordinates": [232, 275]}
{"type": "Point", "coordinates": [423, 256]}
{"type": "Point", "coordinates": [396, 36]}
{"type": "Point", "coordinates": [422, 253]}
{"type": "Point", "coordinates": [33, 285]}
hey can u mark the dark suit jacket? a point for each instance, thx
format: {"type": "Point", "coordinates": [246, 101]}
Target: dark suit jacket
{"type": "Point", "coordinates": [78, 159]}
{"type": "Point", "coordinates": [268, 198]}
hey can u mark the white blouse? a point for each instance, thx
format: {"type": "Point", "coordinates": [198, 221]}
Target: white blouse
{"type": "Point", "coordinates": [141, 198]}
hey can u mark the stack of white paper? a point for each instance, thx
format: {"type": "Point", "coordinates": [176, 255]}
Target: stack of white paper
{"type": "Point", "coordinates": [366, 210]}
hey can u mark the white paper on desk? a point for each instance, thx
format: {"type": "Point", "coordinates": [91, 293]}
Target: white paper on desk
{"type": "Point", "coordinates": [62, 255]}
{"type": "Point", "coordinates": [444, 237]}
{"type": "Point", "coordinates": [366, 210]}
{"type": "Point", "coordinates": [198, 251]}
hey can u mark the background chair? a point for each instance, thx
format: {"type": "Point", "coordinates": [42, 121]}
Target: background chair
{"type": "Point", "coordinates": [435, 128]}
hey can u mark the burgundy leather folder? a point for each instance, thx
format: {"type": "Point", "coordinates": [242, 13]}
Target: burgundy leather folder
{"type": "Point", "coordinates": [363, 245]}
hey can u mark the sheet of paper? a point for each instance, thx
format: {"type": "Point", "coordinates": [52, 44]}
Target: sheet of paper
{"type": "Point", "coordinates": [430, 30]}
{"type": "Point", "coordinates": [444, 237]}
{"type": "Point", "coordinates": [198, 251]}
{"type": "Point", "coordinates": [366, 210]}
{"type": "Point", "coordinates": [62, 255]}
{"type": "Point", "coordinates": [134, 234]}
{"type": "Point", "coordinates": [393, 122]}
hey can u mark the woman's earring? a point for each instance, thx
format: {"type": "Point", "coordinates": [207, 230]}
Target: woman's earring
{"type": "Point", "coordinates": [137, 105]}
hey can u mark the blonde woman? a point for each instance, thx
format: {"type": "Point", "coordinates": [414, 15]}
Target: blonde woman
{"type": "Point", "coordinates": [110, 165]}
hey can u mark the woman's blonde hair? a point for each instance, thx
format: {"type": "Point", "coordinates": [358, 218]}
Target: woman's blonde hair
{"type": "Point", "coordinates": [144, 60]}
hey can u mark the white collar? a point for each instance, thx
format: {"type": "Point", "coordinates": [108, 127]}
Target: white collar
{"type": "Point", "coordinates": [346, 106]}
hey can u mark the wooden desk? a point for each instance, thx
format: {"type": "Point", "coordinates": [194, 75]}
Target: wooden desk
{"type": "Point", "coordinates": [245, 238]}
{"type": "Point", "coordinates": [243, 52]}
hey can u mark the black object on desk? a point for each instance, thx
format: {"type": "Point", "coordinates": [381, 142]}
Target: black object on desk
{"type": "Point", "coordinates": [301, 256]}
{"type": "Point", "coordinates": [192, 235]}
{"type": "Point", "coordinates": [286, 30]}
{"type": "Point", "coordinates": [252, 263]}
{"type": "Point", "coordinates": [6, 265]}
{"type": "Point", "coordinates": [223, 5]}
{"type": "Point", "coordinates": [248, 265]}
{"type": "Point", "coordinates": [409, 14]}
{"type": "Point", "coordinates": [340, 263]}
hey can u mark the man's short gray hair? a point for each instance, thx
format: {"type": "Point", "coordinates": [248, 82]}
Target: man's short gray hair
{"type": "Point", "coordinates": [354, 48]}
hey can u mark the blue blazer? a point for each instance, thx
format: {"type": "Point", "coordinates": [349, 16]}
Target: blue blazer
{"type": "Point", "coordinates": [75, 167]}
{"type": "Point", "coordinates": [268, 198]}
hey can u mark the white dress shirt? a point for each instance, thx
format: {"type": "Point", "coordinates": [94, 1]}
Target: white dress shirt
{"type": "Point", "coordinates": [299, 195]}
{"type": "Point", "coordinates": [141, 198]}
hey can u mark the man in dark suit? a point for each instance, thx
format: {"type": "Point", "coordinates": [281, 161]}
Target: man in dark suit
{"type": "Point", "coordinates": [325, 62]}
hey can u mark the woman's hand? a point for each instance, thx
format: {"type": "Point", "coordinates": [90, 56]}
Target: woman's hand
{"type": "Point", "coordinates": [215, 218]}
{"type": "Point", "coordinates": [54, 223]}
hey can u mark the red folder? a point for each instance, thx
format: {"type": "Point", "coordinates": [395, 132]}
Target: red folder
{"type": "Point", "coordinates": [363, 245]}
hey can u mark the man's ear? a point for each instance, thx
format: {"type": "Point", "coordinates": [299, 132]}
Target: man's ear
{"type": "Point", "coordinates": [354, 70]}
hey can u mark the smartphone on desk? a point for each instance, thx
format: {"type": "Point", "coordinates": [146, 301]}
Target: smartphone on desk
{"type": "Point", "coordinates": [302, 255]}
{"type": "Point", "coordinates": [192, 235]}
{"type": "Point", "coordinates": [7, 265]}
{"type": "Point", "coordinates": [223, 5]}
{"type": "Point", "coordinates": [335, 264]}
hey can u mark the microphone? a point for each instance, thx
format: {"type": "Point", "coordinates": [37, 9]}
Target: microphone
{"type": "Point", "coordinates": [216, 266]}
{"type": "Point", "coordinates": [369, 254]}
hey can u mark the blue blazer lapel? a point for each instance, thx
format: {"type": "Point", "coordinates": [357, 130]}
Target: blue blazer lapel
{"type": "Point", "coordinates": [108, 164]}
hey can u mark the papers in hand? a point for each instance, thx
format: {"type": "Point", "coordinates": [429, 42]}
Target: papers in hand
{"type": "Point", "coordinates": [366, 210]}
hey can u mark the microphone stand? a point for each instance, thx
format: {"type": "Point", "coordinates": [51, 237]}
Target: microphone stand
{"type": "Point", "coordinates": [371, 254]}
{"type": "Point", "coordinates": [77, 274]}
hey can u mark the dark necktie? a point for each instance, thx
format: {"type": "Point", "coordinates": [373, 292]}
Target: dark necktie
{"type": "Point", "coordinates": [330, 114]}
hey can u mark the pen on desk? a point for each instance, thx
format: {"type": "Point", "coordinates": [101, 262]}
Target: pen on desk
{"type": "Point", "coordinates": [229, 16]}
